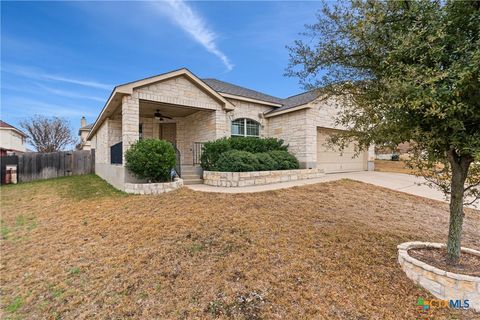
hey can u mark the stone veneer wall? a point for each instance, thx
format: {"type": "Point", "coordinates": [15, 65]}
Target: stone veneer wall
{"type": "Point", "coordinates": [153, 188]}
{"type": "Point", "coordinates": [442, 284]}
{"type": "Point", "coordinates": [250, 110]}
{"type": "Point", "coordinates": [242, 179]}
{"type": "Point", "coordinates": [292, 128]}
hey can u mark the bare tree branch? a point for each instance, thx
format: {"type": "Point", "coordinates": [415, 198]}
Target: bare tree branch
{"type": "Point", "coordinates": [48, 134]}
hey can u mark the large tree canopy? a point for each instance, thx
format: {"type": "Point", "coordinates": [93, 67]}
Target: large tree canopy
{"type": "Point", "coordinates": [406, 72]}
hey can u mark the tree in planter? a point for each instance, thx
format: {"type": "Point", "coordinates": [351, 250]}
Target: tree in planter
{"type": "Point", "coordinates": [151, 159]}
{"type": "Point", "coordinates": [404, 71]}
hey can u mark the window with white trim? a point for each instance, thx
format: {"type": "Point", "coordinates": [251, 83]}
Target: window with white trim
{"type": "Point", "coordinates": [245, 127]}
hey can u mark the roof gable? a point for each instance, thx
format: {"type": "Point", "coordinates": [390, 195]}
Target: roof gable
{"type": "Point", "coordinates": [128, 87]}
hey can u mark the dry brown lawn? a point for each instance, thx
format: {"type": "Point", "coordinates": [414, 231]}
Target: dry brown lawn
{"type": "Point", "coordinates": [392, 166]}
{"type": "Point", "coordinates": [73, 248]}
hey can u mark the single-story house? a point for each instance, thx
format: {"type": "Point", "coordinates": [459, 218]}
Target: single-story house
{"type": "Point", "coordinates": [180, 107]}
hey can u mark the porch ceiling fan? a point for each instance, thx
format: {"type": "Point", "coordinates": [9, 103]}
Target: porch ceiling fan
{"type": "Point", "coordinates": [159, 116]}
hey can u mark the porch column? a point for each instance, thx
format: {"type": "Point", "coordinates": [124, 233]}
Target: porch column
{"type": "Point", "coordinates": [130, 121]}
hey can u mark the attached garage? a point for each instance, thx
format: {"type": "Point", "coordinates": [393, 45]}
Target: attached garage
{"type": "Point", "coordinates": [335, 161]}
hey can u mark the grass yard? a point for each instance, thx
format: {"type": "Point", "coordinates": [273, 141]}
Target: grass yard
{"type": "Point", "coordinates": [74, 248]}
{"type": "Point", "coordinates": [392, 166]}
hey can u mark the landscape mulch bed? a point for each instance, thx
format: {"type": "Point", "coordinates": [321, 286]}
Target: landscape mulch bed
{"type": "Point", "coordinates": [74, 248]}
{"type": "Point", "coordinates": [468, 264]}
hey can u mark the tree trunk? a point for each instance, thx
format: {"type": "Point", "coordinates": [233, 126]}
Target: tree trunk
{"type": "Point", "coordinates": [459, 165]}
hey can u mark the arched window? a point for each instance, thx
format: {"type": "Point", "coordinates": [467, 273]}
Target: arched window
{"type": "Point", "coordinates": [244, 127]}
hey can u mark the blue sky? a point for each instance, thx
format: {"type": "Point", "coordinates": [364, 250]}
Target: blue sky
{"type": "Point", "coordinates": [64, 58]}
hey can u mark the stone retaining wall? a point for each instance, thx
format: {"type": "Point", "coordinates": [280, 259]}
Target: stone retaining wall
{"type": "Point", "coordinates": [153, 188]}
{"type": "Point", "coordinates": [243, 179]}
{"type": "Point", "coordinates": [443, 285]}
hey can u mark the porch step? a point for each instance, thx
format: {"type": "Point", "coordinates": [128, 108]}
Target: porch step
{"type": "Point", "coordinates": [190, 172]}
{"type": "Point", "coordinates": [190, 176]}
{"type": "Point", "coordinates": [192, 181]}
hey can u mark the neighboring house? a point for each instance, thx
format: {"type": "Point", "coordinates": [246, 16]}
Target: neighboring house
{"type": "Point", "coordinates": [180, 107]}
{"type": "Point", "coordinates": [403, 150]}
{"type": "Point", "coordinates": [83, 133]}
{"type": "Point", "coordinates": [12, 140]}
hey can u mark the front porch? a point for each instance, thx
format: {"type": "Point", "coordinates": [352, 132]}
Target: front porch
{"type": "Point", "coordinates": [177, 107]}
{"type": "Point", "coordinates": [187, 128]}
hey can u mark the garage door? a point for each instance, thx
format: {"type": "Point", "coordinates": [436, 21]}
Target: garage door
{"type": "Point", "coordinates": [332, 160]}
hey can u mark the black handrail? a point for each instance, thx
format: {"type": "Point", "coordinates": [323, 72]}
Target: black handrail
{"type": "Point", "coordinates": [197, 152]}
{"type": "Point", "coordinates": [178, 166]}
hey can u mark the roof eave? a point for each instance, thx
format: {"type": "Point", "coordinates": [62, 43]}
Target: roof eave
{"type": "Point", "coordinates": [14, 129]}
{"type": "Point", "coordinates": [275, 113]}
{"type": "Point", "coordinates": [115, 93]}
{"type": "Point", "coordinates": [237, 97]}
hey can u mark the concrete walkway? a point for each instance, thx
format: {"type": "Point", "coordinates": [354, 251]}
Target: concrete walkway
{"type": "Point", "coordinates": [395, 181]}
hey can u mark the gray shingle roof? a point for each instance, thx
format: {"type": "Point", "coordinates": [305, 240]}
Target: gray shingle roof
{"type": "Point", "coordinates": [225, 87]}
{"type": "Point", "coordinates": [290, 102]}
{"type": "Point", "coordinates": [296, 100]}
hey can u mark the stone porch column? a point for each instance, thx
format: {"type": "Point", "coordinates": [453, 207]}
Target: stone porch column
{"type": "Point", "coordinates": [130, 121]}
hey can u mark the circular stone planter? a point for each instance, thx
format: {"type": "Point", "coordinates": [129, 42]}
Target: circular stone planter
{"type": "Point", "coordinates": [442, 284]}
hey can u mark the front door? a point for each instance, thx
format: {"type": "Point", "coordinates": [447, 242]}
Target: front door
{"type": "Point", "coordinates": [168, 131]}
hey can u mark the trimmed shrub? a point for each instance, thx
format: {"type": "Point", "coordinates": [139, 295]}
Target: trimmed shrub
{"type": "Point", "coordinates": [212, 150]}
{"type": "Point", "coordinates": [237, 161]}
{"type": "Point", "coordinates": [284, 159]}
{"type": "Point", "coordinates": [256, 145]}
{"type": "Point", "coordinates": [266, 162]}
{"type": "Point", "coordinates": [151, 159]}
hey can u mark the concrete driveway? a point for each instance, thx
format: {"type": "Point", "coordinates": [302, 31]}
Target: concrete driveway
{"type": "Point", "coordinates": [395, 181]}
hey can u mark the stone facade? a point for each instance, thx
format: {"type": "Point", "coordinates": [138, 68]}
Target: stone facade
{"type": "Point", "coordinates": [250, 110]}
{"type": "Point", "coordinates": [180, 91]}
{"type": "Point", "coordinates": [130, 121]}
{"type": "Point", "coordinates": [299, 129]}
{"type": "Point", "coordinates": [153, 188]}
{"type": "Point", "coordinates": [243, 179]}
{"type": "Point", "coordinates": [210, 118]}
{"type": "Point", "coordinates": [109, 133]}
{"type": "Point", "coordinates": [292, 128]}
{"type": "Point", "coordinates": [443, 285]}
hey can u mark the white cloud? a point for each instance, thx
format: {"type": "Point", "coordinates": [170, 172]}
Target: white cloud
{"type": "Point", "coordinates": [70, 94]}
{"type": "Point", "coordinates": [32, 107]}
{"type": "Point", "coordinates": [191, 22]}
{"type": "Point", "coordinates": [34, 73]}
{"type": "Point", "coordinates": [41, 89]}
{"type": "Point", "coordinates": [86, 83]}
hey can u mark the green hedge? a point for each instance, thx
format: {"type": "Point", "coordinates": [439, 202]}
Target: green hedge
{"type": "Point", "coordinates": [284, 160]}
{"type": "Point", "coordinates": [237, 161]}
{"type": "Point", "coordinates": [151, 159]}
{"type": "Point", "coordinates": [212, 150]}
{"type": "Point", "coordinates": [247, 154]}
{"type": "Point", "coordinates": [266, 162]}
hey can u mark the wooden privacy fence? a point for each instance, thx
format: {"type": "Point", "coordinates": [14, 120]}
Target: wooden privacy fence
{"type": "Point", "coordinates": [36, 166]}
